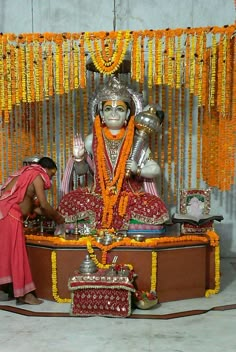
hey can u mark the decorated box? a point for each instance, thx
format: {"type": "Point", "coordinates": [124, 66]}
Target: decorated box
{"type": "Point", "coordinates": [104, 293]}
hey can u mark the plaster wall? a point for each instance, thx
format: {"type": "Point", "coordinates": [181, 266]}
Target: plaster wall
{"type": "Point", "coordinates": [93, 15]}
{"type": "Point", "coordinates": [28, 16]}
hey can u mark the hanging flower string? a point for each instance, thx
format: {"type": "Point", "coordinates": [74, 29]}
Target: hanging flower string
{"type": "Point", "coordinates": [108, 49]}
{"type": "Point", "coordinates": [54, 280]}
{"type": "Point", "coordinates": [214, 241]}
{"type": "Point", "coordinates": [99, 54]}
{"type": "Point", "coordinates": [154, 272]}
{"type": "Point", "coordinates": [39, 66]}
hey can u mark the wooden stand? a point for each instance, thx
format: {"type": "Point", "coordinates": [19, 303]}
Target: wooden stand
{"type": "Point", "coordinates": [184, 269]}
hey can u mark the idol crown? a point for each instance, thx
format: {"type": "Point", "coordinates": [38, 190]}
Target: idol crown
{"type": "Point", "coordinates": [114, 90]}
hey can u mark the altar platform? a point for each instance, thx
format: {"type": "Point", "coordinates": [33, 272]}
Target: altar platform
{"type": "Point", "coordinates": [182, 267]}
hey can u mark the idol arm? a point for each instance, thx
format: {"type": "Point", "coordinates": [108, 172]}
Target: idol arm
{"type": "Point", "coordinates": [146, 166]}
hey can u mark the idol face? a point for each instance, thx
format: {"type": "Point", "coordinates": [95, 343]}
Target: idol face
{"type": "Point", "coordinates": [114, 114]}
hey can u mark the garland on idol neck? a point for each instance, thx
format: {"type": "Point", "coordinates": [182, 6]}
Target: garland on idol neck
{"type": "Point", "coordinates": [111, 187]}
{"type": "Point", "coordinates": [109, 135]}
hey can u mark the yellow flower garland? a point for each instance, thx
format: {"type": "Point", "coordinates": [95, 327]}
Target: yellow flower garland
{"type": "Point", "coordinates": [94, 258]}
{"type": "Point", "coordinates": [154, 272]}
{"type": "Point", "coordinates": [54, 281]}
{"type": "Point", "coordinates": [108, 65]}
{"type": "Point", "coordinates": [210, 292]}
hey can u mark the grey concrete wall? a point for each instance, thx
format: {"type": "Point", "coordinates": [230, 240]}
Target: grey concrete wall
{"type": "Point", "coordinates": [23, 16]}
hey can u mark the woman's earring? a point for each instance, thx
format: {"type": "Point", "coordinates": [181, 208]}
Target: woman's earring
{"type": "Point", "coordinates": [125, 123]}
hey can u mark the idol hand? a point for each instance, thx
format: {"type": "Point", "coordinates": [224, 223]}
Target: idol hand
{"type": "Point", "coordinates": [78, 147]}
{"type": "Point", "coordinates": [131, 167]}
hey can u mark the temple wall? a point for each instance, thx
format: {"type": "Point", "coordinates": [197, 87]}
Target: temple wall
{"type": "Point", "coordinates": [28, 16]}
{"type": "Point", "coordinates": [90, 15]}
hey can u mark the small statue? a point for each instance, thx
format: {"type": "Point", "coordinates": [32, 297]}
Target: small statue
{"type": "Point", "coordinates": [107, 154]}
{"type": "Point", "coordinates": [195, 207]}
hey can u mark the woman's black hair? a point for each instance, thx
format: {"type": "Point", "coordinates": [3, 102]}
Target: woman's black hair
{"type": "Point", "coordinates": [47, 163]}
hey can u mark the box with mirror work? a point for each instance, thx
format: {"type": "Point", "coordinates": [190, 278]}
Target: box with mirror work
{"type": "Point", "coordinates": [101, 292]}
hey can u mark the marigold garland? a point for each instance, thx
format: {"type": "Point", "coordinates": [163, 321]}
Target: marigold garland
{"type": "Point", "coordinates": [115, 137]}
{"type": "Point", "coordinates": [211, 237]}
{"type": "Point", "coordinates": [154, 272]}
{"type": "Point", "coordinates": [54, 280]}
{"type": "Point", "coordinates": [104, 63]}
{"type": "Point", "coordinates": [111, 187]}
{"type": "Point", "coordinates": [94, 258]}
{"type": "Point", "coordinates": [215, 243]}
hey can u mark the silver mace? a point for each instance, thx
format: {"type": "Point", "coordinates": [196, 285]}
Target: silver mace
{"type": "Point", "coordinates": [146, 123]}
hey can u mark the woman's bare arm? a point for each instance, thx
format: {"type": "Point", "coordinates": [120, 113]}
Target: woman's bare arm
{"type": "Point", "coordinates": [46, 208]}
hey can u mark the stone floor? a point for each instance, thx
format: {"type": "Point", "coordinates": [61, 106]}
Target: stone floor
{"type": "Point", "coordinates": [211, 331]}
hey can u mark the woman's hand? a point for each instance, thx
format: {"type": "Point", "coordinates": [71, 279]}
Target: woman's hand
{"type": "Point", "coordinates": [78, 148]}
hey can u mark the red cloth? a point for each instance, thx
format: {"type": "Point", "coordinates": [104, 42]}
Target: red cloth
{"type": "Point", "coordinates": [108, 302]}
{"type": "Point", "coordinates": [14, 263]}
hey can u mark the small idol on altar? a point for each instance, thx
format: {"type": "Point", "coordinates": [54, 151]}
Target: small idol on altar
{"type": "Point", "coordinates": [117, 156]}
